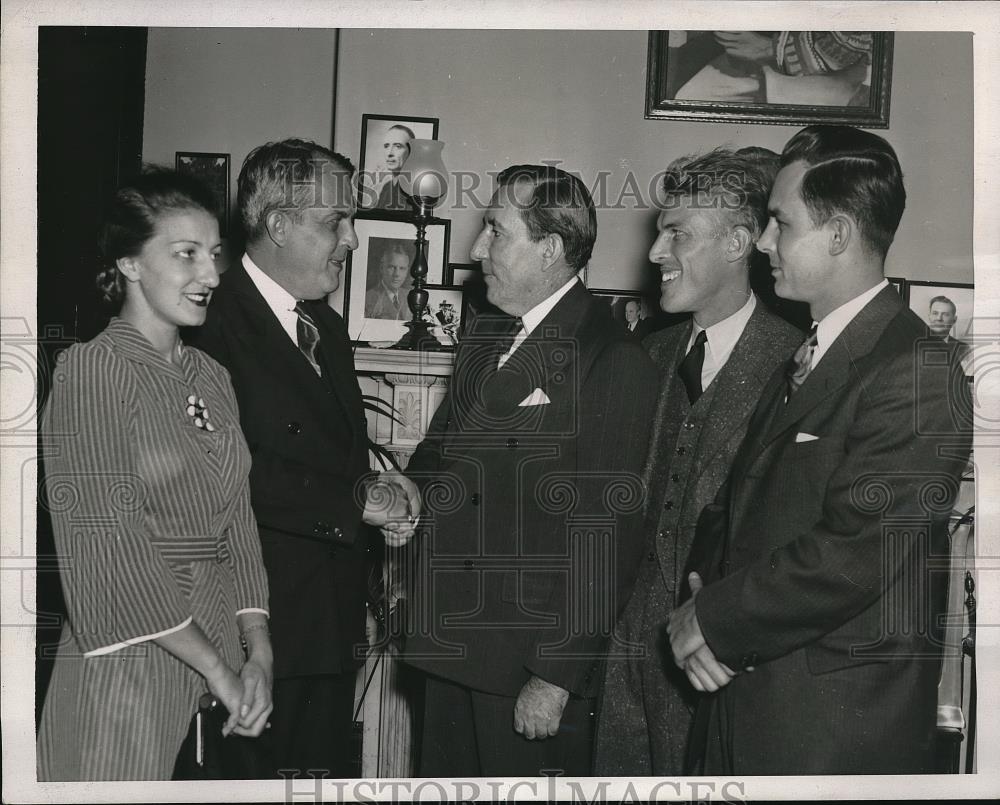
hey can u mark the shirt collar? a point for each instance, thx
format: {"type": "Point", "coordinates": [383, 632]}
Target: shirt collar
{"type": "Point", "coordinates": [534, 317]}
{"type": "Point", "coordinates": [836, 321]}
{"type": "Point", "coordinates": [277, 298]}
{"type": "Point", "coordinates": [723, 335]}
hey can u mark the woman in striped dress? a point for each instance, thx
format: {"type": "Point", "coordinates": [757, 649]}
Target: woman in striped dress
{"type": "Point", "coordinates": [146, 478]}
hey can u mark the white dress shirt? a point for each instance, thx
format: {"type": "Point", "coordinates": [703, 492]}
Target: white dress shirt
{"type": "Point", "coordinates": [531, 319]}
{"type": "Point", "coordinates": [834, 322]}
{"type": "Point", "coordinates": [281, 302]}
{"type": "Point", "coordinates": [721, 339]}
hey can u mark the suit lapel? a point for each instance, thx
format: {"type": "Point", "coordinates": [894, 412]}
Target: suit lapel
{"type": "Point", "coordinates": [837, 366]}
{"type": "Point", "coordinates": [667, 421]}
{"type": "Point", "coordinates": [267, 339]}
{"type": "Point", "coordinates": [731, 405]}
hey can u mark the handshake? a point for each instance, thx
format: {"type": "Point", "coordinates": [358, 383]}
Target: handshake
{"type": "Point", "coordinates": [392, 504]}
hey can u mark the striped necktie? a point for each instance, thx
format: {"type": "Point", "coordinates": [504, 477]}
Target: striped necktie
{"type": "Point", "coordinates": [800, 365]}
{"type": "Point", "coordinates": [308, 336]}
{"type": "Point", "coordinates": [506, 337]}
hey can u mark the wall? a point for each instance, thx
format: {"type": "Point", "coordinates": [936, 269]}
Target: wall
{"type": "Point", "coordinates": [229, 90]}
{"type": "Point", "coordinates": [505, 97]}
{"type": "Point", "coordinates": [525, 96]}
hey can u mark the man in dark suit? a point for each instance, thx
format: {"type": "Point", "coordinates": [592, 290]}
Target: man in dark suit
{"type": "Point", "coordinates": [821, 633]}
{"type": "Point", "coordinates": [290, 361]}
{"type": "Point", "coordinates": [531, 468]}
{"type": "Point", "coordinates": [713, 368]}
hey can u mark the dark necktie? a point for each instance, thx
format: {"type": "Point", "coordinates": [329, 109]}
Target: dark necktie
{"type": "Point", "coordinates": [505, 339]}
{"type": "Point", "coordinates": [800, 364]}
{"type": "Point", "coordinates": [308, 336]}
{"type": "Point", "coordinates": [690, 368]}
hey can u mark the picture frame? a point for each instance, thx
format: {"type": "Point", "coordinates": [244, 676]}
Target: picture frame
{"type": "Point", "coordinates": [899, 283]}
{"type": "Point", "coordinates": [213, 170]}
{"type": "Point", "coordinates": [446, 310]}
{"type": "Point", "coordinates": [461, 273]}
{"type": "Point", "coordinates": [369, 315]}
{"type": "Point", "coordinates": [383, 138]}
{"type": "Point", "coordinates": [739, 77]}
{"type": "Point", "coordinates": [620, 303]}
{"type": "Point", "coordinates": [962, 296]}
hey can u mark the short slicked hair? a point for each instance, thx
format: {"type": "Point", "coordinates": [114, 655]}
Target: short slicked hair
{"type": "Point", "coordinates": [944, 300]}
{"type": "Point", "coordinates": [283, 175]}
{"type": "Point", "coordinates": [560, 204]}
{"type": "Point", "coordinates": [851, 172]}
{"type": "Point", "coordinates": [733, 182]}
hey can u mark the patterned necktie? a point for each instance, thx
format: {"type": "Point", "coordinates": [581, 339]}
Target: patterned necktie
{"type": "Point", "coordinates": [800, 365]}
{"type": "Point", "coordinates": [690, 368]}
{"type": "Point", "coordinates": [505, 340]}
{"type": "Point", "coordinates": [308, 336]}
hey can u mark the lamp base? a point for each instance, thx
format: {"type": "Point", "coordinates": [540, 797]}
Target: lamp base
{"type": "Point", "coordinates": [418, 338]}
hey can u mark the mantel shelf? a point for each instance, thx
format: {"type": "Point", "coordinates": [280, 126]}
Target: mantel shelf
{"type": "Point", "coordinates": [369, 360]}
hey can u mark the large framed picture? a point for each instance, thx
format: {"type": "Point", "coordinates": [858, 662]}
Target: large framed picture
{"type": "Point", "coordinates": [783, 77]}
{"type": "Point", "coordinates": [385, 145]}
{"type": "Point", "coordinates": [213, 171]}
{"type": "Point", "coordinates": [378, 275]}
{"type": "Point", "coordinates": [946, 307]}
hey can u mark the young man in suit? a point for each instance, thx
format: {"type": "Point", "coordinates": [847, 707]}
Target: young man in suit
{"type": "Point", "coordinates": [531, 466]}
{"type": "Point", "coordinates": [290, 361]}
{"type": "Point", "coordinates": [713, 368]}
{"type": "Point", "coordinates": [821, 633]}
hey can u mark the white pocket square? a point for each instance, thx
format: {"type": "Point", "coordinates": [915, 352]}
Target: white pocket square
{"type": "Point", "coordinates": [805, 437]}
{"type": "Point", "coordinates": [537, 397]}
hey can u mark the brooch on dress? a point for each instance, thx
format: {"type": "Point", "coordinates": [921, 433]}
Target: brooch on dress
{"type": "Point", "coordinates": [197, 410]}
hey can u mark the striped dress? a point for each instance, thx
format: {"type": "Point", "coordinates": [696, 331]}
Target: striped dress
{"type": "Point", "coordinates": [154, 529]}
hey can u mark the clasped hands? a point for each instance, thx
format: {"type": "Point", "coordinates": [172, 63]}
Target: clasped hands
{"type": "Point", "coordinates": [691, 652]}
{"type": "Point", "coordinates": [247, 696]}
{"type": "Point", "coordinates": [393, 505]}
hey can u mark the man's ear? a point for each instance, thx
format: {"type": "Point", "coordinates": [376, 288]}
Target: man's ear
{"type": "Point", "coordinates": [740, 244]}
{"type": "Point", "coordinates": [841, 229]}
{"type": "Point", "coordinates": [128, 268]}
{"type": "Point", "coordinates": [276, 225]}
{"type": "Point", "coordinates": [552, 249]}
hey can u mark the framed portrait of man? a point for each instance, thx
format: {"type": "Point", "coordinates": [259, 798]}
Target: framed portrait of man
{"type": "Point", "coordinates": [385, 146]}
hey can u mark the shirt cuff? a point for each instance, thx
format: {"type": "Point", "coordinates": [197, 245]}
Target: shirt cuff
{"type": "Point", "coordinates": [97, 652]}
{"type": "Point", "coordinates": [253, 609]}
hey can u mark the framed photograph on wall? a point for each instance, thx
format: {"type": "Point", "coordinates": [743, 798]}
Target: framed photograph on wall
{"type": "Point", "coordinates": [378, 278]}
{"type": "Point", "coordinates": [629, 308]}
{"type": "Point", "coordinates": [385, 145]}
{"type": "Point", "coordinates": [779, 77]}
{"type": "Point", "coordinates": [899, 283]}
{"type": "Point", "coordinates": [461, 273]}
{"type": "Point", "coordinates": [947, 307]}
{"type": "Point", "coordinates": [445, 311]}
{"type": "Point", "coordinates": [213, 171]}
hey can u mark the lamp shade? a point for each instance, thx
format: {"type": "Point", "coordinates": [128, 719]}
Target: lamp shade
{"type": "Point", "coordinates": [424, 175]}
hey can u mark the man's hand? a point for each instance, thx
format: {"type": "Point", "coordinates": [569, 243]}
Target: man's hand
{"type": "Point", "coordinates": [691, 652]}
{"type": "Point", "coordinates": [393, 505]}
{"type": "Point", "coordinates": [539, 709]}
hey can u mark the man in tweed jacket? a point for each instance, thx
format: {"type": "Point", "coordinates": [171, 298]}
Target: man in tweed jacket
{"type": "Point", "coordinates": [715, 208]}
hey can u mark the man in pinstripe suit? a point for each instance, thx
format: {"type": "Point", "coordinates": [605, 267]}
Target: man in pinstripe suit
{"type": "Point", "coordinates": [300, 408]}
{"type": "Point", "coordinates": [715, 208]}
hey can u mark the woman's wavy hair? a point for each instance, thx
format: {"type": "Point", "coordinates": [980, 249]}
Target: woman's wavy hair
{"type": "Point", "coordinates": [131, 221]}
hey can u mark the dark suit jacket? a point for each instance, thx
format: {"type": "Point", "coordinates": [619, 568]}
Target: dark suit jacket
{"type": "Point", "coordinates": [308, 440]}
{"type": "Point", "coordinates": [825, 588]}
{"type": "Point", "coordinates": [675, 499]}
{"type": "Point", "coordinates": [535, 510]}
